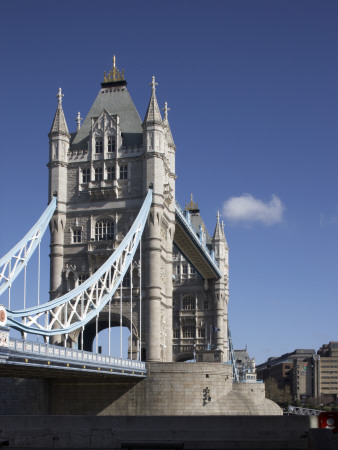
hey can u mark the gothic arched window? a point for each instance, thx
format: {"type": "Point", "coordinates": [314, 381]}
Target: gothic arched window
{"type": "Point", "coordinates": [188, 303]}
{"type": "Point", "coordinates": [98, 145]}
{"type": "Point", "coordinates": [111, 143]}
{"type": "Point", "coordinates": [104, 230]}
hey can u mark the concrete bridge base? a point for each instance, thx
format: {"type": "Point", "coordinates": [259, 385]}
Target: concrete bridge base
{"type": "Point", "coordinates": [170, 389]}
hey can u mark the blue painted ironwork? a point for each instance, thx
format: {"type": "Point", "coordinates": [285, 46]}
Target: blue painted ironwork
{"type": "Point", "coordinates": [16, 259]}
{"type": "Point", "coordinates": [79, 306]}
{"type": "Point", "coordinates": [235, 374]}
{"type": "Point", "coordinates": [209, 255]}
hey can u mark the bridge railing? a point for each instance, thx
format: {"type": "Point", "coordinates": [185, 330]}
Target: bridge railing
{"type": "Point", "coordinates": [71, 354]}
{"type": "Point", "coordinates": [184, 216]}
{"type": "Point", "coordinates": [299, 411]}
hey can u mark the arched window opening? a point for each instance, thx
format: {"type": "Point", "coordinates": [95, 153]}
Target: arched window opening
{"type": "Point", "coordinates": [102, 342]}
{"type": "Point", "coordinates": [98, 145]}
{"type": "Point", "coordinates": [104, 230]}
{"type": "Point", "coordinates": [111, 143]}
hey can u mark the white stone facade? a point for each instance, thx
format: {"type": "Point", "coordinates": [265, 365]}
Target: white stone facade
{"type": "Point", "coordinates": [101, 175]}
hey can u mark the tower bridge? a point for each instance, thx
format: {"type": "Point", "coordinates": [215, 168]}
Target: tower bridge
{"type": "Point", "coordinates": [122, 253]}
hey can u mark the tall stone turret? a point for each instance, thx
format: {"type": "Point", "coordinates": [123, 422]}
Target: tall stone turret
{"type": "Point", "coordinates": [59, 140]}
{"type": "Point", "coordinates": [221, 288]}
{"type": "Point", "coordinates": [159, 166]}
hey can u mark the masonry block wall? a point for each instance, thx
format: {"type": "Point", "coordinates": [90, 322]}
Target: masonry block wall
{"type": "Point", "coordinates": [170, 389]}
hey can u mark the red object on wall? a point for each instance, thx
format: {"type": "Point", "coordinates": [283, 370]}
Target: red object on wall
{"type": "Point", "coordinates": [329, 421]}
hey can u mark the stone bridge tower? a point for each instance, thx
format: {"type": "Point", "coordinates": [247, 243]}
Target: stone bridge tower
{"type": "Point", "coordinates": [101, 174]}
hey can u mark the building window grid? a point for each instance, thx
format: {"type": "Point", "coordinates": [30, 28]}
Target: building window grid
{"type": "Point", "coordinates": [85, 175]}
{"type": "Point", "coordinates": [201, 332]}
{"type": "Point", "coordinates": [99, 145]}
{"type": "Point", "coordinates": [77, 236]}
{"type": "Point", "coordinates": [188, 303]}
{"type": "Point", "coordinates": [98, 174]}
{"type": "Point", "coordinates": [189, 331]}
{"type": "Point", "coordinates": [111, 173]}
{"type": "Point", "coordinates": [111, 144]}
{"type": "Point", "coordinates": [104, 230]}
{"type": "Point", "coordinates": [124, 172]}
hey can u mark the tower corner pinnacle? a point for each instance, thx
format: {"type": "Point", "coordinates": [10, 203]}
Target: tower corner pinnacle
{"type": "Point", "coordinates": [153, 114]}
{"type": "Point", "coordinates": [59, 125]}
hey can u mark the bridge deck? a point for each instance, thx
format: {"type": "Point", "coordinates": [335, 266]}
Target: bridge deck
{"type": "Point", "coordinates": [29, 359]}
{"type": "Point", "coordinates": [189, 244]}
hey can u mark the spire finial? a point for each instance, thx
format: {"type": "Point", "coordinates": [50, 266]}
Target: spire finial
{"type": "Point", "coordinates": [153, 84]}
{"type": "Point", "coordinates": [59, 96]}
{"type": "Point", "coordinates": [192, 206]}
{"type": "Point", "coordinates": [114, 75]}
{"type": "Point", "coordinates": [165, 109]}
{"type": "Point", "coordinates": [78, 121]}
{"type": "Point", "coordinates": [218, 216]}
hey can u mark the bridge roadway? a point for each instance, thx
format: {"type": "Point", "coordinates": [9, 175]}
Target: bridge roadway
{"type": "Point", "coordinates": [34, 359]}
{"type": "Point", "coordinates": [192, 246]}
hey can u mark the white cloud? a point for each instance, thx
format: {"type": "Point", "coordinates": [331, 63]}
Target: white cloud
{"type": "Point", "coordinates": [248, 209]}
{"type": "Point", "coordinates": [324, 220]}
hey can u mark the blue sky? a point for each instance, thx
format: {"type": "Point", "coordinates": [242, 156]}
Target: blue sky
{"type": "Point", "coordinates": [253, 91]}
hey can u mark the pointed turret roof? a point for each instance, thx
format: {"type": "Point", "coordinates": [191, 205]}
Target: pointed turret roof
{"type": "Point", "coordinates": [167, 126]}
{"type": "Point", "coordinates": [116, 100]}
{"type": "Point", "coordinates": [225, 239]}
{"type": "Point", "coordinates": [59, 125]}
{"type": "Point", "coordinates": [218, 233]}
{"type": "Point", "coordinates": [153, 114]}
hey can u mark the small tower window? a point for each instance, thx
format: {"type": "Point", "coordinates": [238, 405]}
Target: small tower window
{"type": "Point", "coordinates": [176, 333]}
{"type": "Point", "coordinates": [123, 172]}
{"type": "Point", "coordinates": [111, 173]}
{"type": "Point", "coordinates": [201, 332]}
{"type": "Point", "coordinates": [188, 303]}
{"type": "Point", "coordinates": [85, 175]}
{"type": "Point", "coordinates": [104, 230]}
{"type": "Point", "coordinates": [189, 331]}
{"type": "Point", "coordinates": [98, 174]}
{"type": "Point", "coordinates": [111, 144]}
{"type": "Point", "coordinates": [99, 145]}
{"type": "Point", "coordinates": [77, 236]}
